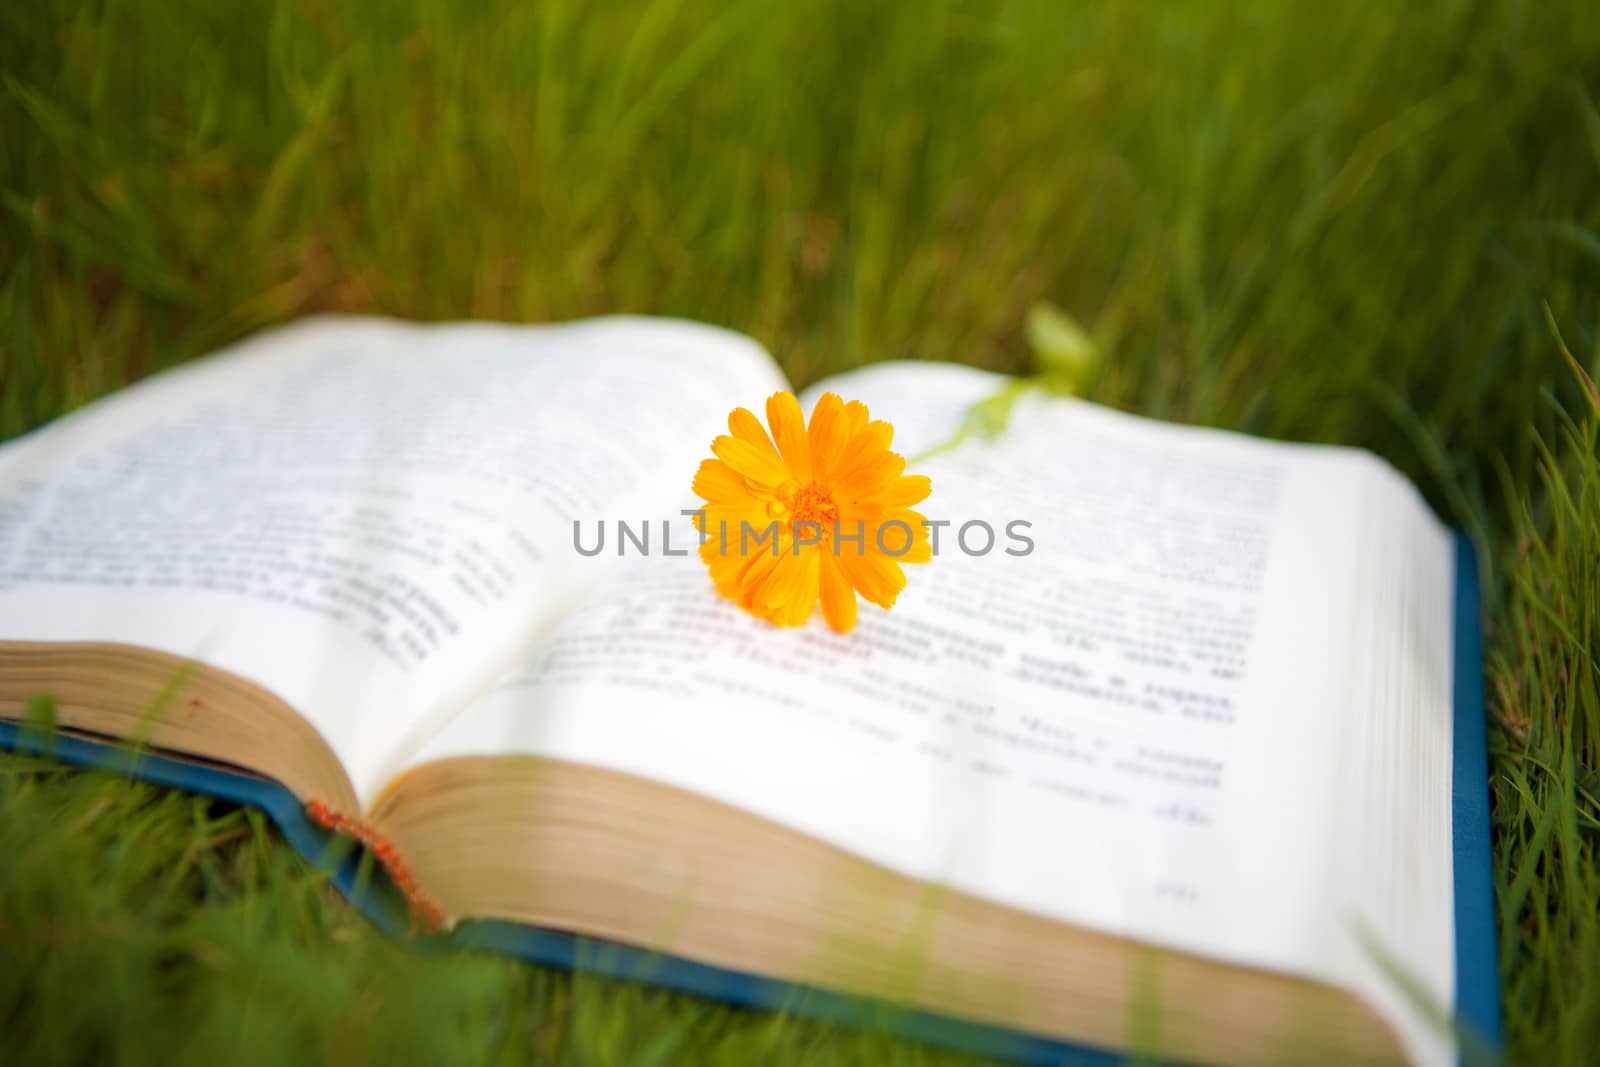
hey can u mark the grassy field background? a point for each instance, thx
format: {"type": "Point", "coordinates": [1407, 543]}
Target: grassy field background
{"type": "Point", "coordinates": [1376, 224]}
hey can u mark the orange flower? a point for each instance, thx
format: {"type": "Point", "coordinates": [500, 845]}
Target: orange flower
{"type": "Point", "coordinates": [824, 513]}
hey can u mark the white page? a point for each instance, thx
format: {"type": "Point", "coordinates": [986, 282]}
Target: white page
{"type": "Point", "coordinates": [369, 518]}
{"type": "Point", "coordinates": [1131, 728]}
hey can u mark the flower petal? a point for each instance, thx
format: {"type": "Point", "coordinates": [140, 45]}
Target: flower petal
{"type": "Point", "coordinates": [753, 578]}
{"type": "Point", "coordinates": [900, 536]}
{"type": "Point", "coordinates": [906, 490]}
{"type": "Point", "coordinates": [838, 596]}
{"type": "Point", "coordinates": [803, 599]}
{"type": "Point", "coordinates": [876, 577]}
{"type": "Point", "coordinates": [717, 483]}
{"type": "Point", "coordinates": [829, 433]}
{"type": "Point", "coordinates": [722, 524]}
{"type": "Point", "coordinates": [858, 415]}
{"type": "Point", "coordinates": [870, 442]}
{"type": "Point", "coordinates": [750, 461]}
{"type": "Point", "coordinates": [744, 425]}
{"type": "Point", "coordinates": [789, 431]}
{"type": "Point", "coordinates": [871, 478]}
{"type": "Point", "coordinates": [790, 590]}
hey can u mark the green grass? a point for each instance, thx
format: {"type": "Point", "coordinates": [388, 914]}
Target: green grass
{"type": "Point", "coordinates": [1329, 222]}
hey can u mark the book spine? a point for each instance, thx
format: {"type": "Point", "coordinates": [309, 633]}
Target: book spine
{"type": "Point", "coordinates": [425, 912]}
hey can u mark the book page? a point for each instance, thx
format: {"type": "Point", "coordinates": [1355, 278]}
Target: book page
{"type": "Point", "coordinates": [368, 518]}
{"type": "Point", "coordinates": [1140, 711]}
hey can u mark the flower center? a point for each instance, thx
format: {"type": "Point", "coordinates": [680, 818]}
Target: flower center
{"type": "Point", "coordinates": [815, 504]}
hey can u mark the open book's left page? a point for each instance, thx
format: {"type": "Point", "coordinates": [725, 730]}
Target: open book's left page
{"type": "Point", "coordinates": [362, 516]}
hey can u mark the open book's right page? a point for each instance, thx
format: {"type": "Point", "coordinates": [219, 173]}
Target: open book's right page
{"type": "Point", "coordinates": [1206, 704]}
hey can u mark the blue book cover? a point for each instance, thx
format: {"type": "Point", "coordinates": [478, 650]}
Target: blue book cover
{"type": "Point", "coordinates": [1477, 971]}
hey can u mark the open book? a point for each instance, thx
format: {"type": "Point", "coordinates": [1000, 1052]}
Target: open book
{"type": "Point", "coordinates": [1194, 757]}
